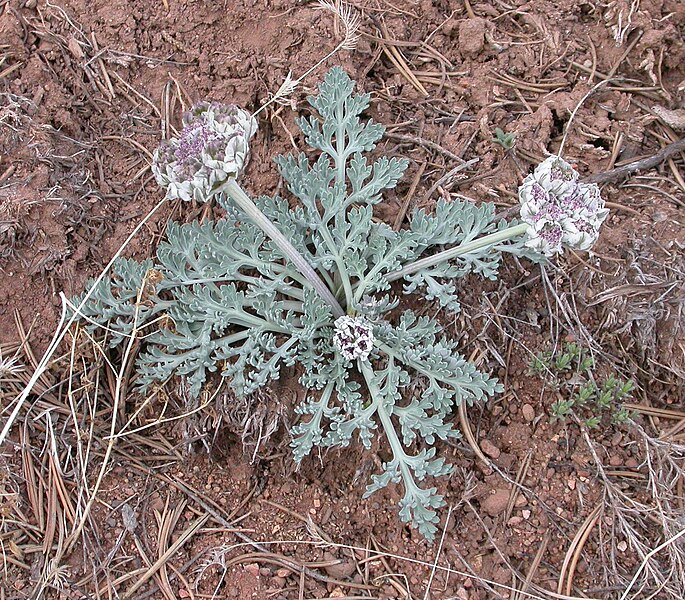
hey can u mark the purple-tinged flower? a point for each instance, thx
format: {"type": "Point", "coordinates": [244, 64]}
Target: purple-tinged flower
{"type": "Point", "coordinates": [559, 209]}
{"type": "Point", "coordinates": [213, 146]}
{"type": "Point", "coordinates": [353, 336]}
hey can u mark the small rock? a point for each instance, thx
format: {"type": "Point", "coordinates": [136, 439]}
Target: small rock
{"type": "Point", "coordinates": [528, 412]}
{"type": "Point", "coordinates": [389, 592]}
{"type": "Point", "coordinates": [283, 573]}
{"type": "Point", "coordinates": [341, 570]}
{"type": "Point", "coordinates": [496, 503]}
{"type": "Point", "coordinates": [472, 36]}
{"type": "Point", "coordinates": [490, 449]}
{"type": "Point", "coordinates": [525, 514]}
{"type": "Point", "coordinates": [278, 582]}
{"type": "Point", "coordinates": [514, 521]}
{"type": "Point", "coordinates": [615, 460]}
{"type": "Point", "coordinates": [183, 593]}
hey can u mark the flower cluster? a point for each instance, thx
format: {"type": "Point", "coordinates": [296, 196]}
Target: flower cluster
{"type": "Point", "coordinates": [559, 209]}
{"type": "Point", "coordinates": [213, 146]}
{"type": "Point", "coordinates": [353, 337]}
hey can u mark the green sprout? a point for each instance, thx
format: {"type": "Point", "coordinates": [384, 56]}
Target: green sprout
{"type": "Point", "coordinates": [506, 140]}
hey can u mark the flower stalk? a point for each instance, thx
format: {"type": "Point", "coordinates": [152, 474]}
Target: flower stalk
{"type": "Point", "coordinates": [245, 203]}
{"type": "Point", "coordinates": [460, 250]}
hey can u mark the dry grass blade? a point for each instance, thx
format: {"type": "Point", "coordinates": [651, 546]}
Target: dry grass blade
{"type": "Point", "coordinates": [396, 58]}
{"type": "Point", "coordinates": [166, 523]}
{"type": "Point", "coordinates": [468, 434]}
{"type": "Point", "coordinates": [574, 551]}
{"type": "Point", "coordinates": [663, 413]}
{"type": "Point", "coordinates": [645, 523]}
{"type": "Point", "coordinates": [647, 558]}
{"type": "Point", "coordinates": [410, 139]}
{"type": "Point", "coordinates": [533, 567]}
{"type": "Point", "coordinates": [162, 560]}
{"type": "Point", "coordinates": [64, 325]}
{"type": "Point", "coordinates": [409, 196]}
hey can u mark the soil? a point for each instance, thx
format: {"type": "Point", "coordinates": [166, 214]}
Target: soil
{"type": "Point", "coordinates": [88, 89]}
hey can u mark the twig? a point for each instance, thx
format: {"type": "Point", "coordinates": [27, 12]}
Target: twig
{"type": "Point", "coordinates": [408, 198]}
{"type": "Point", "coordinates": [644, 164]}
{"type": "Point", "coordinates": [410, 139]}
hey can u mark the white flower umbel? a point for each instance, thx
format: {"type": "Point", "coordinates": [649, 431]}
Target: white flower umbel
{"type": "Point", "coordinates": [560, 210]}
{"type": "Point", "coordinates": [213, 147]}
{"type": "Point", "coordinates": [353, 336]}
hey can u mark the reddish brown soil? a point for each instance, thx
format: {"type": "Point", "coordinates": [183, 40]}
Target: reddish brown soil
{"type": "Point", "coordinates": [85, 88]}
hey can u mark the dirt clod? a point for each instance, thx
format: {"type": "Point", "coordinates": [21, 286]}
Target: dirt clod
{"type": "Point", "coordinates": [472, 36]}
{"type": "Point", "coordinates": [490, 449]}
{"type": "Point", "coordinates": [496, 503]}
{"type": "Point", "coordinates": [528, 412]}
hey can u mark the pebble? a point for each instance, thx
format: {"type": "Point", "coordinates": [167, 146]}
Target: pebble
{"type": "Point", "coordinates": [472, 36]}
{"type": "Point", "coordinates": [341, 570]}
{"type": "Point", "coordinates": [496, 503]}
{"type": "Point", "coordinates": [490, 449]}
{"type": "Point", "coordinates": [528, 412]}
{"type": "Point", "coordinates": [615, 460]}
{"type": "Point", "coordinates": [389, 592]}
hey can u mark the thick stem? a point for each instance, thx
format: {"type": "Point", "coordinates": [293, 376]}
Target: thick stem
{"type": "Point", "coordinates": [238, 195]}
{"type": "Point", "coordinates": [450, 253]}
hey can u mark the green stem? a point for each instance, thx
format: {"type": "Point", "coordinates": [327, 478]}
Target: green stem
{"type": "Point", "coordinates": [460, 250]}
{"type": "Point", "coordinates": [238, 195]}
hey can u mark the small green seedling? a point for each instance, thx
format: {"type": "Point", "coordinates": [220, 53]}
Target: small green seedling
{"type": "Point", "coordinates": [571, 373]}
{"type": "Point", "coordinates": [506, 140]}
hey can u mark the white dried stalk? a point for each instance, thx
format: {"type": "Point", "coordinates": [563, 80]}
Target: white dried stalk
{"type": "Point", "coordinates": [351, 23]}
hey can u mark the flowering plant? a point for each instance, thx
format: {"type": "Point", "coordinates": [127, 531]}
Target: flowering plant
{"type": "Point", "coordinates": [311, 285]}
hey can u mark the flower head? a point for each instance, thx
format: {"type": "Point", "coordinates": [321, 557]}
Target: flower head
{"type": "Point", "coordinates": [559, 209]}
{"type": "Point", "coordinates": [213, 146]}
{"type": "Point", "coordinates": [353, 336]}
